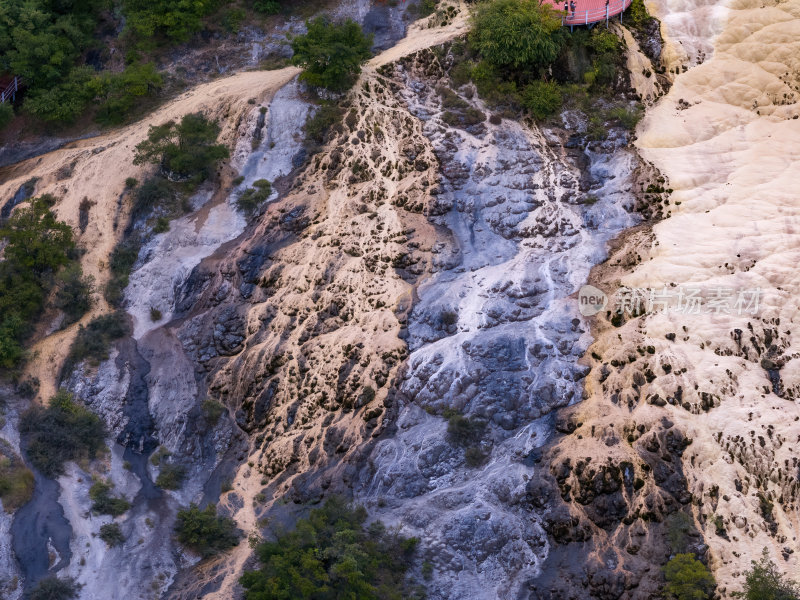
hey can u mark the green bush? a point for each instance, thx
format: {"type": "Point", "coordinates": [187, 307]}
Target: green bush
{"type": "Point", "coordinates": [251, 198]}
{"type": "Point", "coordinates": [464, 431]}
{"type": "Point", "coordinates": [111, 534]}
{"type": "Point", "coordinates": [53, 588]}
{"type": "Point", "coordinates": [331, 54]}
{"type": "Point", "coordinates": [170, 476]}
{"type": "Point", "coordinates": [62, 432]}
{"type": "Point", "coordinates": [764, 582]}
{"type": "Point", "coordinates": [542, 98]}
{"type": "Point", "coordinates": [637, 14]}
{"type": "Point", "coordinates": [332, 554]}
{"type": "Point", "coordinates": [123, 257]}
{"type": "Point", "coordinates": [186, 149]}
{"type": "Point", "coordinates": [73, 293]}
{"type": "Point", "coordinates": [104, 503]}
{"type": "Point", "coordinates": [320, 124]}
{"type": "Point", "coordinates": [93, 341]}
{"type": "Point", "coordinates": [517, 34]}
{"type": "Point", "coordinates": [628, 117]}
{"type": "Point", "coordinates": [688, 579]}
{"type": "Point", "coordinates": [213, 410]}
{"type": "Point", "coordinates": [16, 480]}
{"type": "Point", "coordinates": [204, 531]}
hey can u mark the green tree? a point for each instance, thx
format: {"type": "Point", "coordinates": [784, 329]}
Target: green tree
{"type": "Point", "coordinates": [173, 19]}
{"type": "Point", "coordinates": [186, 149]}
{"type": "Point", "coordinates": [331, 54]}
{"type": "Point", "coordinates": [204, 531]}
{"type": "Point", "coordinates": [517, 34]}
{"type": "Point", "coordinates": [687, 578]}
{"type": "Point", "coordinates": [37, 246]}
{"type": "Point", "coordinates": [764, 582]}
{"type": "Point", "coordinates": [37, 240]}
{"type": "Point", "coordinates": [332, 555]}
{"type": "Point", "coordinates": [118, 93]}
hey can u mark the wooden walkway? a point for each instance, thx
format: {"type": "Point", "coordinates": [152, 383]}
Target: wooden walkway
{"type": "Point", "coordinates": [588, 12]}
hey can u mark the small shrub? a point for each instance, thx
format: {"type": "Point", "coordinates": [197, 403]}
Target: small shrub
{"type": "Point", "coordinates": [516, 34]}
{"type": "Point", "coordinates": [171, 476]}
{"type": "Point", "coordinates": [162, 225]}
{"type": "Point", "coordinates": [93, 341]}
{"type": "Point", "coordinates": [213, 410]}
{"type": "Point", "coordinates": [131, 182]}
{"type": "Point", "coordinates": [267, 7]}
{"type": "Point", "coordinates": [62, 432]}
{"type": "Point", "coordinates": [111, 534]}
{"type": "Point", "coordinates": [206, 532]}
{"type": "Point", "coordinates": [679, 525]}
{"type": "Point", "coordinates": [251, 198]}
{"type": "Point", "coordinates": [155, 314]}
{"type": "Point", "coordinates": [541, 98]}
{"type": "Point", "coordinates": [475, 457]}
{"type": "Point", "coordinates": [73, 293]}
{"type": "Point", "coordinates": [123, 257]}
{"type": "Point", "coordinates": [154, 192]}
{"type": "Point", "coordinates": [628, 117]}
{"type": "Point", "coordinates": [463, 431]}
{"type": "Point", "coordinates": [104, 503]}
{"type": "Point", "coordinates": [53, 588]}
{"type": "Point", "coordinates": [159, 455]}
{"type": "Point", "coordinates": [320, 124]}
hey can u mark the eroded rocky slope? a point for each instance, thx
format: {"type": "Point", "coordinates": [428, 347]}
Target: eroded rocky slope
{"type": "Point", "coordinates": [424, 265]}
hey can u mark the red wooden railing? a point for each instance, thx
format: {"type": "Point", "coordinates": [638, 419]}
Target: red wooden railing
{"type": "Point", "coordinates": [590, 11]}
{"type": "Point", "coordinates": [10, 91]}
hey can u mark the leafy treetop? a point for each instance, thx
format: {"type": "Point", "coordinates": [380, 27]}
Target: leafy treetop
{"type": "Point", "coordinates": [332, 555]}
{"type": "Point", "coordinates": [331, 53]}
{"type": "Point", "coordinates": [186, 149]}
{"type": "Point", "coordinates": [517, 34]}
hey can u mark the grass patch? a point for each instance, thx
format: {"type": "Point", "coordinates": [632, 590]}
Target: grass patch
{"type": "Point", "coordinates": [16, 480]}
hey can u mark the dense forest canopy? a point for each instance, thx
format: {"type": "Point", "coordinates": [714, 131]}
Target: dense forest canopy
{"type": "Point", "coordinates": [60, 48]}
